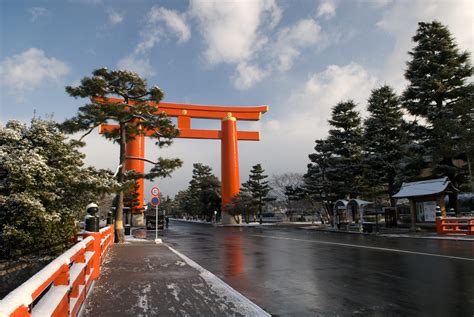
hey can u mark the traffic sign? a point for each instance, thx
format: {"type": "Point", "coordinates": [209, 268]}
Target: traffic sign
{"type": "Point", "coordinates": [155, 191]}
{"type": "Point", "coordinates": [155, 201]}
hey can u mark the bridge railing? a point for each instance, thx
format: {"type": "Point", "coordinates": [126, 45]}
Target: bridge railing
{"type": "Point", "coordinates": [455, 225]}
{"type": "Point", "coordinates": [61, 287]}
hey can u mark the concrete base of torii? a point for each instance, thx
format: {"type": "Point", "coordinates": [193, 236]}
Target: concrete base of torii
{"type": "Point", "coordinates": [230, 220]}
{"type": "Point", "coordinates": [138, 220]}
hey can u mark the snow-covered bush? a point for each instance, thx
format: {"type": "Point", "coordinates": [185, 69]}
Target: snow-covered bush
{"type": "Point", "coordinates": [44, 188]}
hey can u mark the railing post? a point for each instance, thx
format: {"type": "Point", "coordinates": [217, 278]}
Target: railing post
{"type": "Point", "coordinates": [97, 254]}
{"type": "Point", "coordinates": [75, 289]}
{"type": "Point", "coordinates": [63, 279]}
{"type": "Point", "coordinates": [439, 225]}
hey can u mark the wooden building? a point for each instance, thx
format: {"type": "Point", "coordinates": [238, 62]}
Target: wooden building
{"type": "Point", "coordinates": [424, 197]}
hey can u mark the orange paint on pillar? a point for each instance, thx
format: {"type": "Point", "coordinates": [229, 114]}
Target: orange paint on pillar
{"type": "Point", "coordinates": [230, 178]}
{"type": "Point", "coordinates": [136, 148]}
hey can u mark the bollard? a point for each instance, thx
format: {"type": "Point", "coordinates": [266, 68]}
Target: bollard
{"type": "Point", "coordinates": [110, 218]}
{"type": "Point", "coordinates": [92, 223]}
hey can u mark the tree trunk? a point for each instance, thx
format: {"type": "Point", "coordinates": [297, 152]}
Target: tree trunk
{"type": "Point", "coordinates": [390, 193]}
{"type": "Point", "coordinates": [119, 230]}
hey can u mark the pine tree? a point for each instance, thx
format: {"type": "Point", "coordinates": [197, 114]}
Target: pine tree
{"type": "Point", "coordinates": [44, 188]}
{"type": "Point", "coordinates": [344, 172]}
{"type": "Point", "coordinates": [134, 117]}
{"type": "Point", "coordinates": [258, 187]}
{"type": "Point", "coordinates": [205, 187]}
{"type": "Point", "coordinates": [316, 183]}
{"type": "Point", "coordinates": [241, 204]}
{"type": "Point", "coordinates": [383, 137]}
{"type": "Point", "coordinates": [440, 99]}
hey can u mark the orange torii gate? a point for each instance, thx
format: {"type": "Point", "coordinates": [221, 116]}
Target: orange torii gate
{"type": "Point", "coordinates": [228, 135]}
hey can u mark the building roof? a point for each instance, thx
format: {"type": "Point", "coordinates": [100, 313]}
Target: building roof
{"type": "Point", "coordinates": [341, 203]}
{"type": "Point", "coordinates": [425, 188]}
{"type": "Point", "coordinates": [359, 202]}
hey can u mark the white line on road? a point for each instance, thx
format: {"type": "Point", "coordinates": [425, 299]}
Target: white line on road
{"type": "Point", "coordinates": [366, 247]}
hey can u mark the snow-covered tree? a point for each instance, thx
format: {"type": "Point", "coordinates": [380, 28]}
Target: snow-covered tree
{"type": "Point", "coordinates": [134, 117]}
{"type": "Point", "coordinates": [441, 101]}
{"type": "Point", "coordinates": [279, 182]}
{"type": "Point", "coordinates": [44, 188]}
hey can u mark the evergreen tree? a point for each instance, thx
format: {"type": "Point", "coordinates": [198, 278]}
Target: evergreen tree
{"type": "Point", "coordinates": [44, 188]}
{"type": "Point", "coordinates": [185, 202]}
{"type": "Point", "coordinates": [440, 99]}
{"type": "Point", "coordinates": [316, 184]}
{"type": "Point", "coordinates": [344, 172]}
{"type": "Point", "coordinates": [134, 117]}
{"type": "Point", "coordinates": [383, 137]}
{"type": "Point", "coordinates": [258, 187]}
{"type": "Point", "coordinates": [205, 187]}
{"type": "Point", "coordinates": [240, 205]}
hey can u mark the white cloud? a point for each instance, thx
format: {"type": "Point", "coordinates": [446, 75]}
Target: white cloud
{"type": "Point", "coordinates": [326, 9]}
{"type": "Point", "coordinates": [293, 131]}
{"type": "Point", "coordinates": [94, 2]}
{"type": "Point", "coordinates": [246, 75]}
{"type": "Point", "coordinates": [140, 65]}
{"type": "Point", "coordinates": [174, 21]}
{"type": "Point", "coordinates": [291, 40]}
{"type": "Point", "coordinates": [375, 3]}
{"type": "Point", "coordinates": [160, 21]}
{"type": "Point", "coordinates": [149, 39]}
{"type": "Point", "coordinates": [114, 17]}
{"type": "Point", "coordinates": [336, 83]}
{"type": "Point", "coordinates": [401, 21]}
{"type": "Point", "coordinates": [38, 13]}
{"type": "Point", "coordinates": [233, 31]}
{"type": "Point", "coordinates": [244, 34]}
{"type": "Point", "coordinates": [29, 70]}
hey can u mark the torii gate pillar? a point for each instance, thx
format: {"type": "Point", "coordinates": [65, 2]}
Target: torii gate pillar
{"type": "Point", "coordinates": [230, 178]}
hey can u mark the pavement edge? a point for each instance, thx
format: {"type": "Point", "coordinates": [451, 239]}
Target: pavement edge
{"type": "Point", "coordinates": [208, 276]}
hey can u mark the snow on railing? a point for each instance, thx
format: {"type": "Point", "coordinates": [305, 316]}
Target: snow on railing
{"type": "Point", "coordinates": [61, 287]}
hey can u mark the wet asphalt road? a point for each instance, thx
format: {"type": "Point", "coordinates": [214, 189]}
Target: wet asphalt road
{"type": "Point", "coordinates": [295, 272]}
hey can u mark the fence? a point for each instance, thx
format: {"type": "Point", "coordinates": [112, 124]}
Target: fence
{"type": "Point", "coordinates": [451, 225]}
{"type": "Point", "coordinates": [61, 287]}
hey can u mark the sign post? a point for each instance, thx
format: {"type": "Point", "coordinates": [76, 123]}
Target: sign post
{"type": "Point", "coordinates": [155, 201]}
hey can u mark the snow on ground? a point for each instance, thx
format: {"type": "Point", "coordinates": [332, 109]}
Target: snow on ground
{"type": "Point", "coordinates": [133, 239]}
{"type": "Point", "coordinates": [242, 304]}
{"type": "Point", "coordinates": [175, 290]}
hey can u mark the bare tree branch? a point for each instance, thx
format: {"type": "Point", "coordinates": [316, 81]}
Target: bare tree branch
{"type": "Point", "coordinates": [90, 130]}
{"type": "Point", "coordinates": [140, 159]}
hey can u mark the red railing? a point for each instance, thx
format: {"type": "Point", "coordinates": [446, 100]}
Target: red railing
{"type": "Point", "coordinates": [461, 225]}
{"type": "Point", "coordinates": [61, 287]}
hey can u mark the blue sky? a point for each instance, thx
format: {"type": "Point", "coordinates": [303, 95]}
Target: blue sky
{"type": "Point", "coordinates": [298, 57]}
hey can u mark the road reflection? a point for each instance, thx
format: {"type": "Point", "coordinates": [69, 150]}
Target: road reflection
{"type": "Point", "coordinates": [234, 257]}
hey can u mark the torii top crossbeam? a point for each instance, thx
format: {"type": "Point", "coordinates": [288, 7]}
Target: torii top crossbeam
{"type": "Point", "coordinates": [228, 135]}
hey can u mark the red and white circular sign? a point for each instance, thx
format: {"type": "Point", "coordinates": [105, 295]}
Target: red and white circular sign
{"type": "Point", "coordinates": [155, 191]}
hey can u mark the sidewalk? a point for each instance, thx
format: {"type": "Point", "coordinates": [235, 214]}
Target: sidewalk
{"type": "Point", "coordinates": [405, 233]}
{"type": "Point", "coordinates": [141, 278]}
